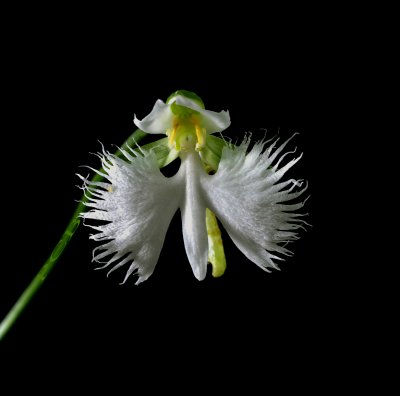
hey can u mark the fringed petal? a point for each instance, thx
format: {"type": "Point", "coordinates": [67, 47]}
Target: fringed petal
{"type": "Point", "coordinates": [245, 196]}
{"type": "Point", "coordinates": [138, 204]}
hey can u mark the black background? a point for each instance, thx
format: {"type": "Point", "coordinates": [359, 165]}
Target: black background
{"type": "Point", "coordinates": [73, 82]}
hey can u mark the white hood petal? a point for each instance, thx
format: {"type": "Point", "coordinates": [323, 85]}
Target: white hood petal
{"type": "Point", "coordinates": [210, 120]}
{"type": "Point", "coordinates": [161, 117]}
{"type": "Point", "coordinates": [138, 203]}
{"type": "Point", "coordinates": [158, 121]}
{"type": "Point", "coordinates": [245, 198]}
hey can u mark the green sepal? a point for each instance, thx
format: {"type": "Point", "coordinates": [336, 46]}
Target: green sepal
{"type": "Point", "coordinates": [182, 111]}
{"type": "Point", "coordinates": [187, 94]}
{"type": "Point", "coordinates": [165, 155]}
{"type": "Point", "coordinates": [216, 254]}
{"type": "Point", "coordinates": [211, 154]}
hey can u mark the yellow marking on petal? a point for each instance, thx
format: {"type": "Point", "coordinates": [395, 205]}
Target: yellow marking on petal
{"type": "Point", "coordinates": [216, 254]}
{"type": "Point", "coordinates": [172, 136]}
{"type": "Point", "coordinates": [186, 133]}
{"type": "Point", "coordinates": [109, 189]}
{"type": "Point", "coordinates": [201, 137]}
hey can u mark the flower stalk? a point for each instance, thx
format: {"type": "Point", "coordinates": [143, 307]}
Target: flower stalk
{"type": "Point", "coordinates": [55, 255]}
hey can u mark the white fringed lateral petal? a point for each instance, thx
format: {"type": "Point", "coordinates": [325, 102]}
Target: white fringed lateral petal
{"type": "Point", "coordinates": [248, 200]}
{"type": "Point", "coordinates": [138, 204]}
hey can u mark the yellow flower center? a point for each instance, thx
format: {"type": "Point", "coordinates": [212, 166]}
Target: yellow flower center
{"type": "Point", "coordinates": [186, 133]}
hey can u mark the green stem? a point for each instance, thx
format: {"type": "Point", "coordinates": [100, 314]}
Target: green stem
{"type": "Point", "coordinates": [41, 276]}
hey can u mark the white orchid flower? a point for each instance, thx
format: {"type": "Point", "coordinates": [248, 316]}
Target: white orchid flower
{"type": "Point", "coordinates": [216, 179]}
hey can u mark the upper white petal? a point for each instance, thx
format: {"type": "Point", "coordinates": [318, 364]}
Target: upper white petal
{"type": "Point", "coordinates": [158, 121]}
{"type": "Point", "coordinates": [245, 197]}
{"type": "Point", "coordinates": [138, 204]}
{"type": "Point", "coordinates": [210, 120]}
{"type": "Point", "coordinates": [185, 101]}
{"type": "Point", "coordinates": [161, 117]}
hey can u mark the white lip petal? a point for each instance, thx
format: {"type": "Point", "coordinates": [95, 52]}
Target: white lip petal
{"type": "Point", "coordinates": [210, 120]}
{"type": "Point", "coordinates": [138, 203]}
{"type": "Point", "coordinates": [193, 212]}
{"type": "Point", "coordinates": [158, 121]}
{"type": "Point", "coordinates": [245, 198]}
{"type": "Point", "coordinates": [135, 205]}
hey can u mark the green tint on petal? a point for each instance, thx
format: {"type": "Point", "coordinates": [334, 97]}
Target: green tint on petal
{"type": "Point", "coordinates": [187, 94]}
{"type": "Point", "coordinates": [182, 111]}
{"type": "Point", "coordinates": [165, 155]}
{"type": "Point", "coordinates": [211, 154]}
{"type": "Point", "coordinates": [216, 254]}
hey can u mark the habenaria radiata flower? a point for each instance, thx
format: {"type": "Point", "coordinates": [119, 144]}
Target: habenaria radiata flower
{"type": "Point", "coordinates": [240, 186]}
